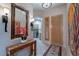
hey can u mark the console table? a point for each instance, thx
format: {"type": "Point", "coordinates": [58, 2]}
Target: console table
{"type": "Point", "coordinates": [11, 50]}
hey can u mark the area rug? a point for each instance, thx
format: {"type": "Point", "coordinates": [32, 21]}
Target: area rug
{"type": "Point", "coordinates": [52, 51]}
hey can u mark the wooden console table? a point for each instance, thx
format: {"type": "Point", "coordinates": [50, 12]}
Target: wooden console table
{"type": "Point", "coordinates": [11, 50]}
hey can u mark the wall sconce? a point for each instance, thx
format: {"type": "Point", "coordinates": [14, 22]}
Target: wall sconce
{"type": "Point", "coordinates": [5, 17]}
{"type": "Point", "coordinates": [32, 19]}
{"type": "Point", "coordinates": [6, 10]}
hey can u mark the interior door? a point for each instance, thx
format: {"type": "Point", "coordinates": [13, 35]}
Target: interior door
{"type": "Point", "coordinates": [47, 28]}
{"type": "Point", "coordinates": [57, 29]}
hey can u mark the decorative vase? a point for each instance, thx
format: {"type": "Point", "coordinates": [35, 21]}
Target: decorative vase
{"type": "Point", "coordinates": [23, 39]}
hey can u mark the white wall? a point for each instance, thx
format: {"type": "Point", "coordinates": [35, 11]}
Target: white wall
{"type": "Point", "coordinates": [68, 48]}
{"type": "Point", "coordinates": [5, 37]}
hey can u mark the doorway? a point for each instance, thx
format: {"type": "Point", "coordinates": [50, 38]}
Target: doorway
{"type": "Point", "coordinates": [57, 29]}
{"type": "Point", "coordinates": [37, 27]}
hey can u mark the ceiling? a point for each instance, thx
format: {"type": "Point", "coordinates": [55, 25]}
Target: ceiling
{"type": "Point", "coordinates": [38, 6]}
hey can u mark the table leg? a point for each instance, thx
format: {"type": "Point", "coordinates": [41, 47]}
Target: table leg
{"type": "Point", "coordinates": [35, 48]}
{"type": "Point", "coordinates": [31, 50]}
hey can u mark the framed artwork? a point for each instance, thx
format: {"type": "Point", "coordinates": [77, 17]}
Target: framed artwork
{"type": "Point", "coordinates": [73, 27]}
{"type": "Point", "coordinates": [76, 20]}
{"type": "Point", "coordinates": [19, 21]}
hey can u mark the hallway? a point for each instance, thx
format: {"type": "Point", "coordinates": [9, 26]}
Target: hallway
{"type": "Point", "coordinates": [34, 12]}
{"type": "Point", "coordinates": [39, 29]}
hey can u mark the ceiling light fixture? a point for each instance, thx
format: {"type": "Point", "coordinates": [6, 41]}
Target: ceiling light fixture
{"type": "Point", "coordinates": [46, 5]}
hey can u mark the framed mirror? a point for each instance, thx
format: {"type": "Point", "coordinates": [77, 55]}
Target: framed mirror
{"type": "Point", "coordinates": [19, 20]}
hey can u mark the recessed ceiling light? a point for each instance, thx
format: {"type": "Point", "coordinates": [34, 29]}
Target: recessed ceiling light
{"type": "Point", "coordinates": [46, 5]}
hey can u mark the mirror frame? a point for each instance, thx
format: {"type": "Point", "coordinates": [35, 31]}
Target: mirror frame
{"type": "Point", "coordinates": [13, 6]}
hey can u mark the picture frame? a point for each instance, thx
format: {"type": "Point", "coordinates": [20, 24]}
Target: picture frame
{"type": "Point", "coordinates": [13, 20]}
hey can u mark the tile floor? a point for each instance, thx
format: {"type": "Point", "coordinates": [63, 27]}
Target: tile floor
{"type": "Point", "coordinates": [41, 47]}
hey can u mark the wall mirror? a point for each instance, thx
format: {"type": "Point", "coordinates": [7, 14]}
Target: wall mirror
{"type": "Point", "coordinates": [19, 19]}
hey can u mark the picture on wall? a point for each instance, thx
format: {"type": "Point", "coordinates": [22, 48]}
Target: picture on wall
{"type": "Point", "coordinates": [73, 28]}
{"type": "Point", "coordinates": [19, 21]}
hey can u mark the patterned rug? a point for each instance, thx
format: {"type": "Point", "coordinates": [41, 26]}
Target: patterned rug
{"type": "Point", "coordinates": [53, 51]}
